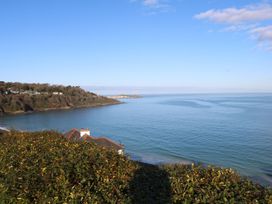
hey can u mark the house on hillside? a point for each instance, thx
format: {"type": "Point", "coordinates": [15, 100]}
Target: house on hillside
{"type": "Point", "coordinates": [85, 135]}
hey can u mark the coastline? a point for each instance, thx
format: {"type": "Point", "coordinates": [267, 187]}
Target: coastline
{"type": "Point", "coordinates": [127, 124]}
{"type": "Point", "coordinates": [60, 108]}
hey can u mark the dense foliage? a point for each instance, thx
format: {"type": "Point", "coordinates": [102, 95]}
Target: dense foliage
{"type": "Point", "coordinates": [45, 167]}
{"type": "Point", "coordinates": [22, 97]}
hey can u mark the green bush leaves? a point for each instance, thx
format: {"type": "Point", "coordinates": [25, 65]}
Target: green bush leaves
{"type": "Point", "coordinates": [45, 167]}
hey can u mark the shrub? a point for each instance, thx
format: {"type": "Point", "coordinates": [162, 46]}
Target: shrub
{"type": "Point", "coordinates": [45, 167]}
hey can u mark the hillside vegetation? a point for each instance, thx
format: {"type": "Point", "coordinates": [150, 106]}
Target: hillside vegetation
{"type": "Point", "coordinates": [44, 167]}
{"type": "Point", "coordinates": [19, 97]}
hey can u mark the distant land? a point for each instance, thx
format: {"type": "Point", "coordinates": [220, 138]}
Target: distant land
{"type": "Point", "coordinates": [25, 97]}
{"type": "Point", "coordinates": [124, 96]}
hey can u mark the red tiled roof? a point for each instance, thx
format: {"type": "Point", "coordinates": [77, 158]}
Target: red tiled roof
{"type": "Point", "coordinates": [105, 142]}
{"type": "Point", "coordinates": [109, 142]}
{"type": "Point", "coordinates": [73, 134]}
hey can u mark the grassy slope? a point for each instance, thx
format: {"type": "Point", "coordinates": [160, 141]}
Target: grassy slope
{"type": "Point", "coordinates": [45, 167]}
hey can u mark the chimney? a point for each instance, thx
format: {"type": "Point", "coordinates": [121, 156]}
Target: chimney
{"type": "Point", "coordinates": [84, 132]}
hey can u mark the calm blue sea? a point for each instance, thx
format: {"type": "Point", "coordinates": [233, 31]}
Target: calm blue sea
{"type": "Point", "coordinates": [230, 130]}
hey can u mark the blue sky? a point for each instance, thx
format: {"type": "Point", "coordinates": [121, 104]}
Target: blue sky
{"type": "Point", "coordinates": [207, 45]}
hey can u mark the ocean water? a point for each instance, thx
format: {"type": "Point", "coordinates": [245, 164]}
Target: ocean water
{"type": "Point", "coordinates": [226, 130]}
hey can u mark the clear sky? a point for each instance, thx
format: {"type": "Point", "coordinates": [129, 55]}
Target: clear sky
{"type": "Point", "coordinates": [221, 45]}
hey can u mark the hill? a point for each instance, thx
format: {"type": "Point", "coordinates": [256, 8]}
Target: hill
{"type": "Point", "coordinates": [22, 97]}
{"type": "Point", "coordinates": [44, 167]}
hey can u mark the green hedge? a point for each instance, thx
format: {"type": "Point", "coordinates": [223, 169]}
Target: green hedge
{"type": "Point", "coordinates": [44, 167]}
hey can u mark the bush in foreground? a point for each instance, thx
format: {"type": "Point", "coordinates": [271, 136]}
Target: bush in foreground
{"type": "Point", "coordinates": [45, 167]}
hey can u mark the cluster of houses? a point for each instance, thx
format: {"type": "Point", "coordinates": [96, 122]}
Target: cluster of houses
{"type": "Point", "coordinates": [85, 135]}
{"type": "Point", "coordinates": [10, 91]}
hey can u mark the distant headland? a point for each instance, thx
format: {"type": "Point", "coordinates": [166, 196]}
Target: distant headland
{"type": "Point", "coordinates": [25, 97]}
{"type": "Point", "coordinates": [124, 96]}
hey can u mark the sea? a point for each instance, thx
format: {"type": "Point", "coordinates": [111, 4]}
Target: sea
{"type": "Point", "coordinates": [225, 130]}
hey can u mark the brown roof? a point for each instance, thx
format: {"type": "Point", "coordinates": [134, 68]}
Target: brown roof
{"type": "Point", "coordinates": [104, 142]}
{"type": "Point", "coordinates": [73, 134]}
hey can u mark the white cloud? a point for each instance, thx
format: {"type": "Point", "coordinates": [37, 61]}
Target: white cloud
{"type": "Point", "coordinates": [155, 6]}
{"type": "Point", "coordinates": [249, 19]}
{"type": "Point", "coordinates": [264, 35]}
{"type": "Point", "coordinates": [150, 2]}
{"type": "Point", "coordinates": [252, 13]}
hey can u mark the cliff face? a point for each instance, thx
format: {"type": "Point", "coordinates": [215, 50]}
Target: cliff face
{"type": "Point", "coordinates": [37, 97]}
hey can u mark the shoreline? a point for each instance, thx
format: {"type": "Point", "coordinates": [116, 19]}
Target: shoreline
{"type": "Point", "coordinates": [56, 109]}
